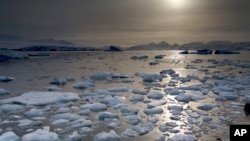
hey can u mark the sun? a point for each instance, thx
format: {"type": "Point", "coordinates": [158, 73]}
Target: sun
{"type": "Point", "coordinates": [176, 3]}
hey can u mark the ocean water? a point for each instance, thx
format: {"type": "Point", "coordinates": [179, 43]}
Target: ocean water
{"type": "Point", "coordinates": [36, 73]}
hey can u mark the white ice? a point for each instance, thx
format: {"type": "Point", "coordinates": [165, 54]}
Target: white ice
{"type": "Point", "coordinates": [41, 98]}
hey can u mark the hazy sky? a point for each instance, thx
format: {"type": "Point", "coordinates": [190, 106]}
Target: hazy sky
{"type": "Point", "coordinates": [127, 22]}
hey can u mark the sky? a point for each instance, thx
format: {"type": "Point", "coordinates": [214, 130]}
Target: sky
{"type": "Point", "coordinates": [126, 22]}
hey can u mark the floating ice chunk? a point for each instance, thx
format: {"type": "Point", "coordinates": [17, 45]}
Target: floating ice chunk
{"type": "Point", "coordinates": [84, 112]}
{"type": "Point", "coordinates": [156, 103]}
{"type": "Point", "coordinates": [139, 57]}
{"type": "Point", "coordinates": [129, 133]}
{"type": "Point", "coordinates": [127, 111]}
{"type": "Point", "coordinates": [67, 116]}
{"type": "Point", "coordinates": [173, 91]}
{"type": "Point", "coordinates": [107, 115]}
{"type": "Point", "coordinates": [246, 99]}
{"type": "Point", "coordinates": [84, 84]}
{"type": "Point", "coordinates": [53, 88]}
{"type": "Point", "coordinates": [153, 120]}
{"type": "Point", "coordinates": [143, 128]}
{"type": "Point", "coordinates": [74, 137]}
{"type": "Point", "coordinates": [152, 77]}
{"type": "Point", "coordinates": [110, 136]}
{"type": "Point", "coordinates": [9, 136]}
{"type": "Point", "coordinates": [155, 95]}
{"type": "Point", "coordinates": [25, 124]}
{"type": "Point", "coordinates": [81, 122]}
{"type": "Point", "coordinates": [137, 98]}
{"type": "Point", "coordinates": [101, 76]}
{"type": "Point", "coordinates": [34, 113]}
{"type": "Point", "coordinates": [195, 95]}
{"type": "Point", "coordinates": [85, 130]}
{"type": "Point", "coordinates": [119, 89]}
{"type": "Point", "coordinates": [95, 107]}
{"type": "Point", "coordinates": [182, 98]}
{"type": "Point", "coordinates": [133, 120]}
{"type": "Point", "coordinates": [207, 119]}
{"type": "Point", "coordinates": [182, 137]}
{"type": "Point", "coordinates": [41, 98]}
{"type": "Point", "coordinates": [60, 122]}
{"type": "Point", "coordinates": [6, 78]}
{"type": "Point", "coordinates": [59, 81]}
{"type": "Point", "coordinates": [99, 93]}
{"type": "Point", "coordinates": [169, 127]}
{"type": "Point", "coordinates": [3, 92]}
{"type": "Point", "coordinates": [153, 111]}
{"type": "Point", "coordinates": [134, 91]}
{"type": "Point", "coordinates": [207, 107]}
{"type": "Point", "coordinates": [11, 108]}
{"type": "Point", "coordinates": [112, 101]}
{"type": "Point", "coordinates": [117, 75]}
{"type": "Point", "coordinates": [40, 135]}
{"type": "Point", "coordinates": [167, 71]}
{"type": "Point", "coordinates": [193, 115]}
{"type": "Point", "coordinates": [114, 124]}
{"type": "Point", "coordinates": [228, 95]}
{"type": "Point", "coordinates": [192, 87]}
{"type": "Point", "coordinates": [63, 110]}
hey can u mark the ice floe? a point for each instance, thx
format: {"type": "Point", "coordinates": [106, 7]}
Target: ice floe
{"type": "Point", "coordinates": [41, 98]}
{"type": "Point", "coordinates": [153, 111]}
{"type": "Point", "coordinates": [133, 119]}
{"type": "Point", "coordinates": [107, 115]}
{"type": "Point", "coordinates": [107, 136]}
{"type": "Point", "coordinates": [136, 98]}
{"type": "Point", "coordinates": [113, 100]}
{"type": "Point", "coordinates": [143, 128]}
{"type": "Point", "coordinates": [119, 89]}
{"type": "Point", "coordinates": [156, 103]}
{"type": "Point", "coordinates": [129, 133]}
{"type": "Point", "coordinates": [40, 135]}
{"type": "Point", "coordinates": [84, 84]}
{"type": "Point", "coordinates": [207, 106]}
{"type": "Point", "coordinates": [11, 108]}
{"type": "Point", "coordinates": [155, 95]}
{"type": "Point", "coordinates": [6, 78]}
{"type": "Point", "coordinates": [3, 92]}
{"type": "Point", "coordinates": [127, 111]}
{"type": "Point", "coordinates": [182, 137]}
{"type": "Point", "coordinates": [95, 107]}
{"type": "Point", "coordinates": [9, 136]}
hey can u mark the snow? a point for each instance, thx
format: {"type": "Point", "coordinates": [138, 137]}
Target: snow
{"type": "Point", "coordinates": [9, 136]}
{"type": "Point", "coordinates": [41, 98]}
{"type": "Point", "coordinates": [182, 137]}
{"type": "Point", "coordinates": [40, 135]}
{"type": "Point", "coordinates": [143, 128]}
{"type": "Point", "coordinates": [107, 136]}
{"type": "Point", "coordinates": [153, 111]}
{"type": "Point", "coordinates": [84, 84]}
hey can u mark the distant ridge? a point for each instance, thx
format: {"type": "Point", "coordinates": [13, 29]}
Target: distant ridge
{"type": "Point", "coordinates": [193, 46]}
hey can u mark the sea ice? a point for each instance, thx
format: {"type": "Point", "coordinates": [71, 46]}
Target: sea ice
{"type": "Point", "coordinates": [119, 89]}
{"type": "Point", "coordinates": [40, 135]}
{"type": "Point", "coordinates": [67, 116]}
{"type": "Point", "coordinates": [153, 111]}
{"type": "Point", "coordinates": [136, 98]}
{"type": "Point", "coordinates": [11, 108]}
{"type": "Point", "coordinates": [127, 111]}
{"type": "Point", "coordinates": [156, 103]}
{"type": "Point", "coordinates": [110, 136]}
{"type": "Point", "coordinates": [9, 136]}
{"type": "Point", "coordinates": [173, 91]}
{"type": "Point", "coordinates": [107, 115]}
{"type": "Point", "coordinates": [207, 107]}
{"type": "Point", "coordinates": [143, 128]}
{"type": "Point", "coordinates": [59, 81]}
{"type": "Point", "coordinates": [114, 123]}
{"type": "Point", "coordinates": [6, 78]}
{"type": "Point", "coordinates": [228, 95]}
{"type": "Point", "coordinates": [41, 98]}
{"type": "Point", "coordinates": [113, 100]}
{"type": "Point", "coordinates": [34, 113]}
{"type": "Point", "coordinates": [84, 84]}
{"type": "Point", "coordinates": [155, 95]}
{"type": "Point", "coordinates": [129, 133]}
{"type": "Point", "coordinates": [95, 107]}
{"type": "Point", "coordinates": [133, 120]}
{"type": "Point", "coordinates": [182, 98]}
{"type": "Point", "coordinates": [81, 122]}
{"type": "Point", "coordinates": [60, 122]}
{"type": "Point", "coordinates": [182, 137]}
{"type": "Point", "coordinates": [3, 92]}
